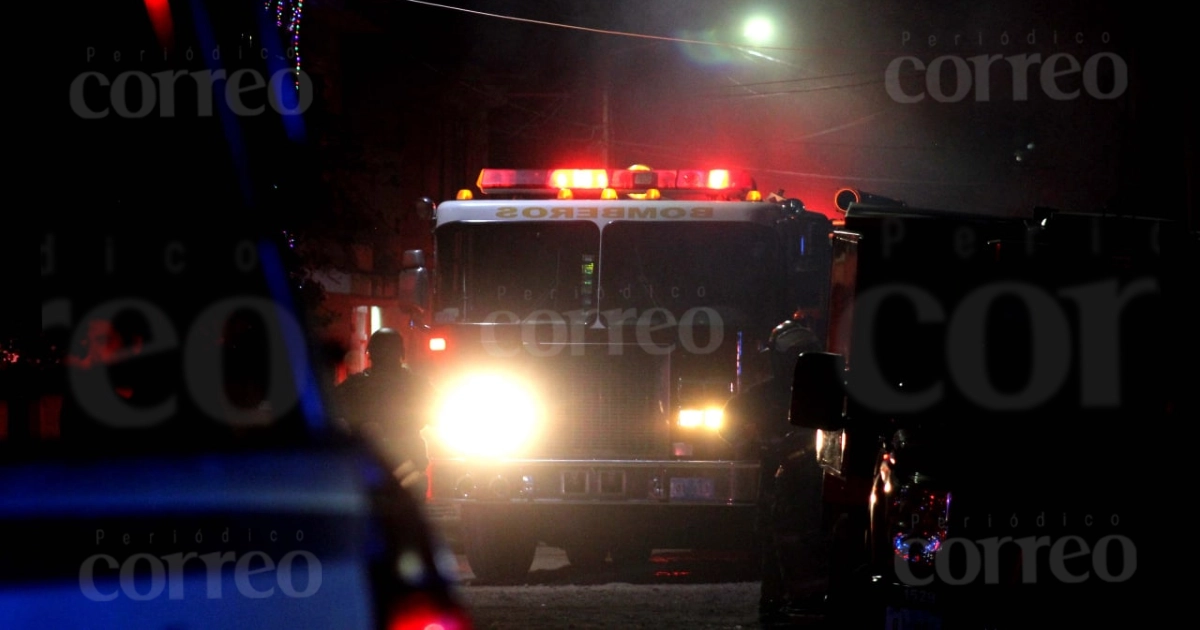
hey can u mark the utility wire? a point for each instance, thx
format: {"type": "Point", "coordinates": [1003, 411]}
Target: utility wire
{"type": "Point", "coordinates": [681, 153]}
{"type": "Point", "coordinates": [853, 123]}
{"type": "Point", "coordinates": [684, 154]}
{"type": "Point", "coordinates": [547, 115]}
{"type": "Point", "coordinates": [601, 31]}
{"type": "Point", "coordinates": [797, 80]}
{"type": "Point", "coordinates": [874, 147]}
{"type": "Point", "coordinates": [797, 90]}
{"type": "Point", "coordinates": [743, 48]}
{"type": "Point", "coordinates": [800, 90]}
{"type": "Point", "coordinates": [724, 88]}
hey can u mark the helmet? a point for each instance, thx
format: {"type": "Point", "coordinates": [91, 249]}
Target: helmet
{"type": "Point", "coordinates": [792, 338]}
{"type": "Point", "coordinates": [793, 206]}
{"type": "Point", "coordinates": [386, 347]}
{"type": "Point", "coordinates": [788, 341]}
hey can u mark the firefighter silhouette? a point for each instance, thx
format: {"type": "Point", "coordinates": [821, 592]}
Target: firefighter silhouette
{"type": "Point", "coordinates": [790, 478]}
{"type": "Point", "coordinates": [388, 405]}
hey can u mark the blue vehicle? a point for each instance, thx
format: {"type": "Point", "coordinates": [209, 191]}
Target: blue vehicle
{"type": "Point", "coordinates": [166, 457]}
{"type": "Point", "coordinates": [181, 471]}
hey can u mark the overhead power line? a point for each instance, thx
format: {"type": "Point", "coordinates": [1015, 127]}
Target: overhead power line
{"type": "Point", "coordinates": [684, 154]}
{"type": "Point", "coordinates": [821, 88]}
{"type": "Point", "coordinates": [837, 75]}
{"type": "Point", "coordinates": [601, 31]}
{"type": "Point", "coordinates": [853, 123]}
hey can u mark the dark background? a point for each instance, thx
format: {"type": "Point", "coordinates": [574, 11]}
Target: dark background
{"type": "Point", "coordinates": [411, 100]}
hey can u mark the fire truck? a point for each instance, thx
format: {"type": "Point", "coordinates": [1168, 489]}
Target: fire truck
{"type": "Point", "coordinates": [584, 329]}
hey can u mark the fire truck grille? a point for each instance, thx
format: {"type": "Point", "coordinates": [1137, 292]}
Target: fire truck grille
{"type": "Point", "coordinates": [608, 406]}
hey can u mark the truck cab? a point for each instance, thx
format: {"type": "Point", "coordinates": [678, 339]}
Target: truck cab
{"type": "Point", "coordinates": [585, 328]}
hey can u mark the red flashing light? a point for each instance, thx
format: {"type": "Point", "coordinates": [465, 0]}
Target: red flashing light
{"type": "Point", "coordinates": [718, 179]}
{"type": "Point", "coordinates": [420, 612]}
{"type": "Point", "coordinates": [640, 178]}
{"type": "Point", "coordinates": [519, 180]}
{"type": "Point", "coordinates": [159, 12]}
{"type": "Point", "coordinates": [579, 178]}
{"type": "Point", "coordinates": [499, 179]}
{"type": "Point", "coordinates": [437, 344]}
{"type": "Point", "coordinates": [637, 178]}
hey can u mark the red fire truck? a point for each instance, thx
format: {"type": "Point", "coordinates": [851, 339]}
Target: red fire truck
{"type": "Point", "coordinates": [585, 329]}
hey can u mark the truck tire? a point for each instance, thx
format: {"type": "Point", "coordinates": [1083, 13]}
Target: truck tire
{"type": "Point", "coordinates": [498, 551]}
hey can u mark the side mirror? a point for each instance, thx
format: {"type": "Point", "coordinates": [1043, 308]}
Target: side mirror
{"type": "Point", "coordinates": [426, 209]}
{"type": "Point", "coordinates": [818, 391]}
{"type": "Point", "coordinates": [413, 288]}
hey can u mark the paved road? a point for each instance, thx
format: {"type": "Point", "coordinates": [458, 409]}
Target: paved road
{"type": "Point", "coordinates": [666, 566]}
{"type": "Point", "coordinates": [677, 589]}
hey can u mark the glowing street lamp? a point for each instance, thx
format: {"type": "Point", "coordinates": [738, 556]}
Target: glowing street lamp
{"type": "Point", "coordinates": [759, 30]}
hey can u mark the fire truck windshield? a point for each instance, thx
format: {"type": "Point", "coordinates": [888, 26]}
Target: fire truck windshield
{"type": "Point", "coordinates": [506, 271]}
{"type": "Point", "coordinates": [735, 269]}
{"type": "Point", "coordinates": [509, 271]}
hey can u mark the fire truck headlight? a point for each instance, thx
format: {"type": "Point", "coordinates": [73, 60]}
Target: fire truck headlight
{"type": "Point", "coordinates": [487, 416]}
{"type": "Point", "coordinates": [710, 418]}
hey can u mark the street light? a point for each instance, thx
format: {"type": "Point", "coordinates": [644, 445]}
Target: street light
{"type": "Point", "coordinates": [759, 30]}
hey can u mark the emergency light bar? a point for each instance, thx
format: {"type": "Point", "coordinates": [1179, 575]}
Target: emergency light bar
{"type": "Point", "coordinates": [586, 179]}
{"type": "Point", "coordinates": [636, 179]}
{"type": "Point", "coordinates": [694, 180]}
{"type": "Point", "coordinates": [515, 180]}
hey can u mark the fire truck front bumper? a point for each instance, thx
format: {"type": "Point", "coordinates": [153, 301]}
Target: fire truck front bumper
{"type": "Point", "coordinates": [683, 486]}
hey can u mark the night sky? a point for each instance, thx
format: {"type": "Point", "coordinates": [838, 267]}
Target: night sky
{"type": "Point", "coordinates": [817, 115]}
{"type": "Point", "coordinates": [809, 116]}
{"type": "Point", "coordinates": [440, 92]}
{"type": "Point", "coordinates": [410, 100]}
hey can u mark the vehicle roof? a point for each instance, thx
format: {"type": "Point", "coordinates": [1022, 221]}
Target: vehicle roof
{"type": "Point", "coordinates": [865, 212]}
{"type": "Point", "coordinates": [604, 212]}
